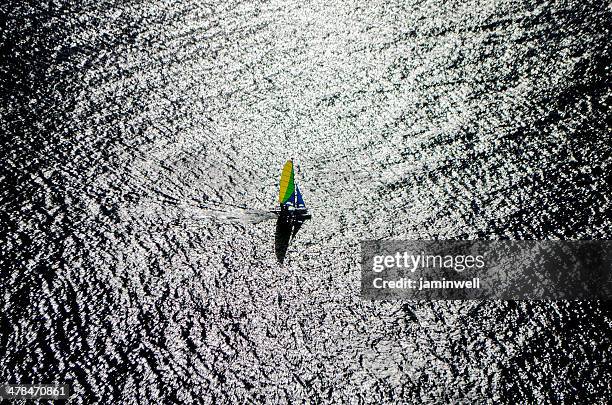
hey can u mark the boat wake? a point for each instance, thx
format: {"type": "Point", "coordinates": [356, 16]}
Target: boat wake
{"type": "Point", "coordinates": [242, 215]}
{"type": "Point", "coordinates": [192, 211]}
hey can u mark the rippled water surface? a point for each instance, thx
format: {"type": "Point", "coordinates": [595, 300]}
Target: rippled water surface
{"type": "Point", "coordinates": [143, 144]}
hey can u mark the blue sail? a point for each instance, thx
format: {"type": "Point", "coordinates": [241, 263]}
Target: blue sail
{"type": "Point", "coordinates": [299, 201]}
{"type": "Point", "coordinates": [290, 200]}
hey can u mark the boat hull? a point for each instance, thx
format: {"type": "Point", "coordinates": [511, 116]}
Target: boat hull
{"type": "Point", "coordinates": [293, 215]}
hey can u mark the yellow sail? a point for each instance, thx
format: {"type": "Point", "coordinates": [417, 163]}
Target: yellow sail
{"type": "Point", "coordinates": [287, 185]}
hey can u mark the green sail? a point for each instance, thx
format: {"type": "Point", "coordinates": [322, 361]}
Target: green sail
{"type": "Point", "coordinates": [287, 185]}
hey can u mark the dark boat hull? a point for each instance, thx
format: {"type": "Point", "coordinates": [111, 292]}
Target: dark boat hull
{"type": "Point", "coordinates": [292, 215]}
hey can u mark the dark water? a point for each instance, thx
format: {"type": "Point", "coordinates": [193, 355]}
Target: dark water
{"type": "Point", "coordinates": [132, 129]}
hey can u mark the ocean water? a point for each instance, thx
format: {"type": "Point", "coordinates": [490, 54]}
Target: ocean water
{"type": "Point", "coordinates": [142, 147]}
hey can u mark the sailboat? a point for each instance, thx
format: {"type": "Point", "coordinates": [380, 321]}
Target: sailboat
{"type": "Point", "coordinates": [291, 201]}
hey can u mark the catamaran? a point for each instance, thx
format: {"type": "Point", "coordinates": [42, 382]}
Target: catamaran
{"type": "Point", "coordinates": [290, 198]}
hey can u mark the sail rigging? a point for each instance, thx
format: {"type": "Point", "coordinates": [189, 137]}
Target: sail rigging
{"type": "Point", "coordinates": [292, 211]}
{"type": "Point", "coordinates": [292, 206]}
